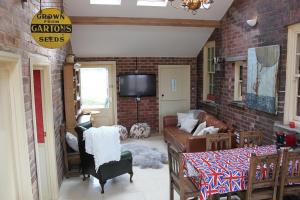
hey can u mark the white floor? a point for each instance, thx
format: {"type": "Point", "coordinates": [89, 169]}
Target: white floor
{"type": "Point", "coordinates": [148, 184]}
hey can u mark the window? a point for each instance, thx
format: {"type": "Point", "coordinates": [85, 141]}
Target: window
{"type": "Point", "coordinates": [106, 2]}
{"type": "Point", "coordinates": [238, 80]}
{"type": "Point", "coordinates": [208, 71]}
{"type": "Point", "coordinates": [94, 87]}
{"type": "Point", "coordinates": [160, 3]}
{"type": "Point", "coordinates": [292, 93]}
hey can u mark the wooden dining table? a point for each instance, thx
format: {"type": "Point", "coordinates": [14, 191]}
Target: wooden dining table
{"type": "Point", "coordinates": [221, 172]}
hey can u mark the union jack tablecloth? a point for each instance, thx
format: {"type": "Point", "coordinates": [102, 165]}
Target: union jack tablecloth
{"type": "Point", "coordinates": [221, 171]}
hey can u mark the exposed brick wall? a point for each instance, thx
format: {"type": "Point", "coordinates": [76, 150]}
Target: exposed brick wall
{"type": "Point", "coordinates": [15, 37]}
{"type": "Point", "coordinates": [148, 109]}
{"type": "Point", "coordinates": [233, 38]}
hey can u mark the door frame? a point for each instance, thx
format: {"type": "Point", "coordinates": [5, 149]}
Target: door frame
{"type": "Point", "coordinates": [112, 64]}
{"type": "Point", "coordinates": [19, 133]}
{"type": "Point", "coordinates": [188, 68]}
{"type": "Point", "coordinates": [42, 63]}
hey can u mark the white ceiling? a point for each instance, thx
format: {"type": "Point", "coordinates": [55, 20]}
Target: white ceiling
{"type": "Point", "coordinates": [141, 41]}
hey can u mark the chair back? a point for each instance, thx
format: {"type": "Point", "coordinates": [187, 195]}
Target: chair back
{"type": "Point", "coordinates": [263, 174]}
{"type": "Point", "coordinates": [219, 141]}
{"type": "Point", "coordinates": [250, 138]}
{"type": "Point", "coordinates": [174, 167]}
{"type": "Point", "coordinates": [87, 160]}
{"type": "Point", "coordinates": [182, 185]}
{"type": "Point", "coordinates": [290, 173]}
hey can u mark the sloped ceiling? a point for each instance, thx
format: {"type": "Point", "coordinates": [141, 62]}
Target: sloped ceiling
{"type": "Point", "coordinates": [140, 41]}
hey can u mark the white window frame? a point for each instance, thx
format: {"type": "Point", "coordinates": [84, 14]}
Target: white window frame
{"type": "Point", "coordinates": [238, 83]}
{"type": "Point", "coordinates": [113, 83]}
{"type": "Point", "coordinates": [291, 88]}
{"type": "Point", "coordinates": [207, 71]}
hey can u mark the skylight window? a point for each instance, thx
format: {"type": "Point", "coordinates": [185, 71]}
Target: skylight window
{"type": "Point", "coordinates": [106, 2]}
{"type": "Point", "coordinates": [161, 3]}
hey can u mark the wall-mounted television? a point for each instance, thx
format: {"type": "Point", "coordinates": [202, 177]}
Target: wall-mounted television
{"type": "Point", "coordinates": [137, 85]}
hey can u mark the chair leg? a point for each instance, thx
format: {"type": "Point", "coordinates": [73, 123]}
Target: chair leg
{"type": "Point", "coordinates": [171, 191]}
{"type": "Point", "coordinates": [229, 196]}
{"type": "Point", "coordinates": [84, 177]}
{"type": "Point", "coordinates": [102, 183]}
{"type": "Point", "coordinates": [131, 175]}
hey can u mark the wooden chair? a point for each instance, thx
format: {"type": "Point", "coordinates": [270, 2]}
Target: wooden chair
{"type": "Point", "coordinates": [182, 185]}
{"type": "Point", "coordinates": [290, 174]}
{"type": "Point", "coordinates": [220, 141]}
{"type": "Point", "coordinates": [250, 138]}
{"type": "Point", "coordinates": [265, 185]}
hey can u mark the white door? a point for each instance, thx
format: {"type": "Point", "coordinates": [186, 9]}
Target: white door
{"type": "Point", "coordinates": [42, 165]}
{"type": "Point", "coordinates": [8, 189]}
{"type": "Point", "coordinates": [98, 89]}
{"type": "Point", "coordinates": [174, 90]}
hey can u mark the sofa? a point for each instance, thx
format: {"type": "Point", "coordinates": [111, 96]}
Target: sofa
{"type": "Point", "coordinates": [186, 142]}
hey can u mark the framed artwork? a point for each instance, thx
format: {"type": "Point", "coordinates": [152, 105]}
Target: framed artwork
{"type": "Point", "coordinates": [262, 78]}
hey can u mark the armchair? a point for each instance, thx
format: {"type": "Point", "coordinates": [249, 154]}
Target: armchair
{"type": "Point", "coordinates": [106, 171]}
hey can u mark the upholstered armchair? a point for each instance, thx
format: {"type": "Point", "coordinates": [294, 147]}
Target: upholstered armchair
{"type": "Point", "coordinates": [106, 171]}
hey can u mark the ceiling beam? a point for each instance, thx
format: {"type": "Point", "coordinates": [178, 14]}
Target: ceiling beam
{"type": "Point", "coordinates": [83, 20]}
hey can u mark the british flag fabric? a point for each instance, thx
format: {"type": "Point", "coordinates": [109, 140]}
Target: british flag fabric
{"type": "Point", "coordinates": [221, 171]}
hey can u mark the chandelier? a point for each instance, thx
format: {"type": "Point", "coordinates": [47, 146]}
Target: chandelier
{"type": "Point", "coordinates": [193, 5]}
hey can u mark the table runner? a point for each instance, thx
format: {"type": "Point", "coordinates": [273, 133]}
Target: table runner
{"type": "Point", "coordinates": [221, 171]}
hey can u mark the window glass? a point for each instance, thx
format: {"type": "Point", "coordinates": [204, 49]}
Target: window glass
{"type": "Point", "coordinates": [94, 88]}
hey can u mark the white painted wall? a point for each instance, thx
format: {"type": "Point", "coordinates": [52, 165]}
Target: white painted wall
{"type": "Point", "coordinates": [141, 41]}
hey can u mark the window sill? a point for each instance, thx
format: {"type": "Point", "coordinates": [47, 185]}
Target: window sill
{"type": "Point", "coordinates": [209, 103]}
{"type": "Point", "coordinates": [283, 127]}
{"type": "Point", "coordinates": [238, 104]}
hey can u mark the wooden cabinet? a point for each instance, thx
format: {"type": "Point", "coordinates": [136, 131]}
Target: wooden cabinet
{"type": "Point", "coordinates": [72, 95]}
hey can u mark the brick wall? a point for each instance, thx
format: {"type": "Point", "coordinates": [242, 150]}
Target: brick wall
{"type": "Point", "coordinates": [233, 38]}
{"type": "Point", "coordinates": [148, 109]}
{"type": "Point", "coordinates": [15, 37]}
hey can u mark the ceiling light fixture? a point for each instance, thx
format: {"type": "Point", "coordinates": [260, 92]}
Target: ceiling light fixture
{"type": "Point", "coordinates": [192, 5]}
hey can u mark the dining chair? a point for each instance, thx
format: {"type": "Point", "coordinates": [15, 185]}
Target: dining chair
{"type": "Point", "coordinates": [290, 174]}
{"type": "Point", "coordinates": [250, 138]}
{"type": "Point", "coordinates": [182, 185]}
{"type": "Point", "coordinates": [263, 177]}
{"type": "Point", "coordinates": [219, 141]}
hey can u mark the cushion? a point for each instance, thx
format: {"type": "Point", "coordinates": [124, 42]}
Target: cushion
{"type": "Point", "coordinates": [122, 131]}
{"type": "Point", "coordinates": [183, 116]}
{"type": "Point", "coordinates": [188, 125]}
{"type": "Point", "coordinates": [199, 128]}
{"type": "Point", "coordinates": [208, 130]}
{"type": "Point", "coordinates": [140, 130]}
{"type": "Point", "coordinates": [125, 155]}
{"type": "Point", "coordinates": [196, 112]}
{"type": "Point", "coordinates": [72, 141]}
{"type": "Point", "coordinates": [213, 121]}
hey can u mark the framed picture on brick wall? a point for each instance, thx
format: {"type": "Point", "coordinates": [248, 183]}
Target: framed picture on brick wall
{"type": "Point", "coordinates": [262, 78]}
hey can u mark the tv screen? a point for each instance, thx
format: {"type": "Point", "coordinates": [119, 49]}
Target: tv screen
{"type": "Point", "coordinates": [137, 85]}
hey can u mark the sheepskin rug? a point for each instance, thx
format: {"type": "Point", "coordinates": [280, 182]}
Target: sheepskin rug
{"type": "Point", "coordinates": [146, 157]}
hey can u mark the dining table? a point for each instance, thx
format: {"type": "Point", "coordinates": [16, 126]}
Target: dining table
{"type": "Point", "coordinates": [221, 172]}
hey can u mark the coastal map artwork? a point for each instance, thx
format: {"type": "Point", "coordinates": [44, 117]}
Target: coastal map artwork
{"type": "Point", "coordinates": [262, 78]}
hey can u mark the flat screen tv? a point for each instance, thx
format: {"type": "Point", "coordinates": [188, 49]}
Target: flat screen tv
{"type": "Point", "coordinates": [137, 85]}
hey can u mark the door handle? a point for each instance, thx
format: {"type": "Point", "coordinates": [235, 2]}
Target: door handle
{"type": "Point", "coordinates": [162, 95]}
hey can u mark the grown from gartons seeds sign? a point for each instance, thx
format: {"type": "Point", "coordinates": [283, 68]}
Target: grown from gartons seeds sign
{"type": "Point", "coordinates": [51, 28]}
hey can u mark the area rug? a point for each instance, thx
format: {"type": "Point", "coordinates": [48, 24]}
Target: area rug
{"type": "Point", "coordinates": [146, 157]}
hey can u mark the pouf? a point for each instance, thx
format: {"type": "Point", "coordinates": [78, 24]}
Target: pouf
{"type": "Point", "coordinates": [140, 130]}
{"type": "Point", "coordinates": [122, 131]}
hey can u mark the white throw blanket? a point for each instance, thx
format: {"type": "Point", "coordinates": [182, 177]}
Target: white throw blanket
{"type": "Point", "coordinates": [103, 143]}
